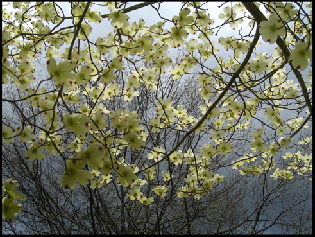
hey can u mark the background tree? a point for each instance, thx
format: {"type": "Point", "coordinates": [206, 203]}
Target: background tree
{"type": "Point", "coordinates": [143, 125]}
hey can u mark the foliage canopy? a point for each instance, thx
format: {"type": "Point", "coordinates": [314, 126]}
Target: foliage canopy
{"type": "Point", "coordinates": [158, 109]}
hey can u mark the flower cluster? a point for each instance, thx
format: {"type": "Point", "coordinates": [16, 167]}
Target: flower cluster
{"type": "Point", "coordinates": [10, 207]}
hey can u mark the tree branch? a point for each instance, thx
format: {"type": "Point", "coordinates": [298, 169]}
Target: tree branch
{"type": "Point", "coordinates": [259, 17]}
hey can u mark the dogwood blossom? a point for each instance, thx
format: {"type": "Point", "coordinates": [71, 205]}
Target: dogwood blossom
{"type": "Point", "coordinates": [26, 135]}
{"type": "Point", "coordinates": [10, 208]}
{"type": "Point", "coordinates": [74, 173]}
{"type": "Point", "coordinates": [35, 151]}
{"type": "Point", "coordinates": [78, 123]}
{"type": "Point", "coordinates": [125, 174]}
{"type": "Point", "coordinates": [271, 29]}
{"type": "Point", "coordinates": [301, 55]}
{"type": "Point", "coordinates": [61, 73]}
{"type": "Point", "coordinates": [160, 190]}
